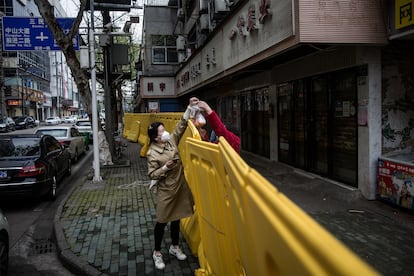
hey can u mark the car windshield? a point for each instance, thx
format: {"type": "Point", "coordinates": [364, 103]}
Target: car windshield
{"type": "Point", "coordinates": [54, 132]}
{"type": "Point", "coordinates": [84, 123]}
{"type": "Point", "coordinates": [17, 147]}
{"type": "Point", "coordinates": [1, 121]}
{"type": "Point", "coordinates": [20, 119]}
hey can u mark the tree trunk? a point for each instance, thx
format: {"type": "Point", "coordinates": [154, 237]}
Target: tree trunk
{"type": "Point", "coordinates": [65, 43]}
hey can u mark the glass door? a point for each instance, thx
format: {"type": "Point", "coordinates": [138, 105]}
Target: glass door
{"type": "Point", "coordinates": [298, 130]}
{"type": "Point", "coordinates": [255, 133]}
{"type": "Point", "coordinates": [285, 122]}
{"type": "Point", "coordinates": [317, 133]}
{"type": "Point", "coordinates": [344, 127]}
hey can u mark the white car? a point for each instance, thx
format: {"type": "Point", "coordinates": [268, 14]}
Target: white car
{"type": "Point", "coordinates": [52, 121]}
{"type": "Point", "coordinates": [70, 119]}
{"type": "Point", "coordinates": [4, 244]}
{"type": "Point", "coordinates": [69, 137]}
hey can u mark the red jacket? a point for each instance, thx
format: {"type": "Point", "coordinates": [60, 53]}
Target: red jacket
{"type": "Point", "coordinates": [220, 129]}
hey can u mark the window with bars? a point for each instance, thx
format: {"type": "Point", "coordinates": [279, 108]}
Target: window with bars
{"type": "Point", "coordinates": [164, 49]}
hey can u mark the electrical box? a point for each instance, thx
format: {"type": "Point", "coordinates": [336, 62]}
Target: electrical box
{"type": "Point", "coordinates": [204, 22]}
{"type": "Point", "coordinates": [180, 42]}
{"type": "Point", "coordinates": [84, 57]}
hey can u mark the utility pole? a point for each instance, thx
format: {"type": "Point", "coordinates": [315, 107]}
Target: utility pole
{"type": "Point", "coordinates": [25, 68]}
{"type": "Point", "coordinates": [109, 113]}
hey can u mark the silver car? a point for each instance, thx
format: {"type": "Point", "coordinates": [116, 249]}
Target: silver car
{"type": "Point", "coordinates": [4, 244]}
{"type": "Point", "coordinates": [7, 124]}
{"type": "Point", "coordinates": [69, 137]}
{"type": "Point", "coordinates": [85, 127]}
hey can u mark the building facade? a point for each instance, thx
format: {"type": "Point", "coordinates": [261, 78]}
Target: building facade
{"type": "Point", "coordinates": [26, 74]}
{"type": "Point", "coordinates": [30, 76]}
{"type": "Point", "coordinates": [314, 84]}
{"type": "Point", "coordinates": [158, 61]}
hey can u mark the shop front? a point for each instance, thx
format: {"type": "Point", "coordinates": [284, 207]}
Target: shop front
{"type": "Point", "coordinates": [317, 124]}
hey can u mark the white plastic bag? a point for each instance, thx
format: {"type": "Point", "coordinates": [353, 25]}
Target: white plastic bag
{"type": "Point", "coordinates": [153, 186]}
{"type": "Point", "coordinates": [196, 116]}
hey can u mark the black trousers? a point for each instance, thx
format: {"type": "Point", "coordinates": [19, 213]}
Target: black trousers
{"type": "Point", "coordinates": [159, 233]}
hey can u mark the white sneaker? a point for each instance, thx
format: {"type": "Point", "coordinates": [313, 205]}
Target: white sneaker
{"type": "Point", "coordinates": [159, 262]}
{"type": "Point", "coordinates": [177, 252]}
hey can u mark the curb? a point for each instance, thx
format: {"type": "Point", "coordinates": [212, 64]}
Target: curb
{"type": "Point", "coordinates": [69, 260]}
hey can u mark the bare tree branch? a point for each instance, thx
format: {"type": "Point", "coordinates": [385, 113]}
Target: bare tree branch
{"type": "Point", "coordinates": [65, 43]}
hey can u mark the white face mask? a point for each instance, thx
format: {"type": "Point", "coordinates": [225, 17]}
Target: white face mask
{"type": "Point", "coordinates": [165, 136]}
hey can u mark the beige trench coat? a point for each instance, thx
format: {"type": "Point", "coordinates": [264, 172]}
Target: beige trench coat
{"type": "Point", "coordinates": [174, 199]}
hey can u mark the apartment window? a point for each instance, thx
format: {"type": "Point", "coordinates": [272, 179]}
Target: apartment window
{"type": "Point", "coordinates": [164, 49]}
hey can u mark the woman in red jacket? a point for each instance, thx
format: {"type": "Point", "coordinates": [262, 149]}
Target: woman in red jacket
{"type": "Point", "coordinates": [217, 125]}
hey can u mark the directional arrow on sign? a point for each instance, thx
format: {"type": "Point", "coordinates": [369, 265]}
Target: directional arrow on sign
{"type": "Point", "coordinates": [41, 37]}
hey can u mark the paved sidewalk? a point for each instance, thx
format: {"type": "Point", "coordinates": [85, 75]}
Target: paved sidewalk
{"type": "Point", "coordinates": [108, 228]}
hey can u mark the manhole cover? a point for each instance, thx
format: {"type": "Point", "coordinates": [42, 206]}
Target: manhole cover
{"type": "Point", "coordinates": [44, 247]}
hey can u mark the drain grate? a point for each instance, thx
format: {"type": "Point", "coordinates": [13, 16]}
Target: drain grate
{"type": "Point", "coordinates": [44, 247]}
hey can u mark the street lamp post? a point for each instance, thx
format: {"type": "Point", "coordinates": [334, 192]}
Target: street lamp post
{"type": "Point", "coordinates": [22, 98]}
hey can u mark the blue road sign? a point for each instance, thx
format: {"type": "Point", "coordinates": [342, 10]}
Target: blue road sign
{"type": "Point", "coordinates": [32, 33]}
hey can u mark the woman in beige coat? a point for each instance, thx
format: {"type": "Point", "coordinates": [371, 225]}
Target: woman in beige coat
{"type": "Point", "coordinates": [174, 199]}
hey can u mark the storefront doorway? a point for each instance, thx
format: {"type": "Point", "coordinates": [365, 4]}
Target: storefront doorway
{"type": "Point", "coordinates": [317, 125]}
{"type": "Point", "coordinates": [254, 106]}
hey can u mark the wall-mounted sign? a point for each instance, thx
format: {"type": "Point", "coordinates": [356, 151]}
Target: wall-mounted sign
{"type": "Point", "coordinates": [157, 86]}
{"type": "Point", "coordinates": [403, 13]}
{"type": "Point", "coordinates": [14, 102]}
{"type": "Point", "coordinates": [153, 107]}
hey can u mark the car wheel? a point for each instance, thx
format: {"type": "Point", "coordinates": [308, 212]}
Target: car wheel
{"type": "Point", "coordinates": [69, 169]}
{"type": "Point", "coordinates": [52, 190]}
{"type": "Point", "coordinates": [4, 254]}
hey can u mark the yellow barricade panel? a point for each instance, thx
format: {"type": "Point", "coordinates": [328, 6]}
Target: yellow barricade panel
{"type": "Point", "coordinates": [281, 238]}
{"type": "Point", "coordinates": [191, 232]}
{"type": "Point", "coordinates": [205, 174]}
{"type": "Point", "coordinates": [235, 171]}
{"type": "Point", "coordinates": [133, 132]}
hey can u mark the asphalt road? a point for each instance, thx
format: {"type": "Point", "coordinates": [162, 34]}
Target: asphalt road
{"type": "Point", "coordinates": [32, 246]}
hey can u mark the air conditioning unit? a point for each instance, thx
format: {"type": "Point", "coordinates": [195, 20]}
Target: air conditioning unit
{"type": "Point", "coordinates": [180, 42]}
{"type": "Point", "coordinates": [203, 5]}
{"type": "Point", "coordinates": [180, 14]}
{"type": "Point", "coordinates": [204, 22]}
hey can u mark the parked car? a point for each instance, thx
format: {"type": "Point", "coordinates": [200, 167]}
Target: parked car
{"type": "Point", "coordinates": [32, 165]}
{"type": "Point", "coordinates": [70, 119]}
{"type": "Point", "coordinates": [68, 136]}
{"type": "Point", "coordinates": [4, 244]}
{"type": "Point", "coordinates": [53, 121]}
{"type": "Point", "coordinates": [85, 127]}
{"type": "Point", "coordinates": [7, 124]}
{"type": "Point", "coordinates": [24, 122]}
